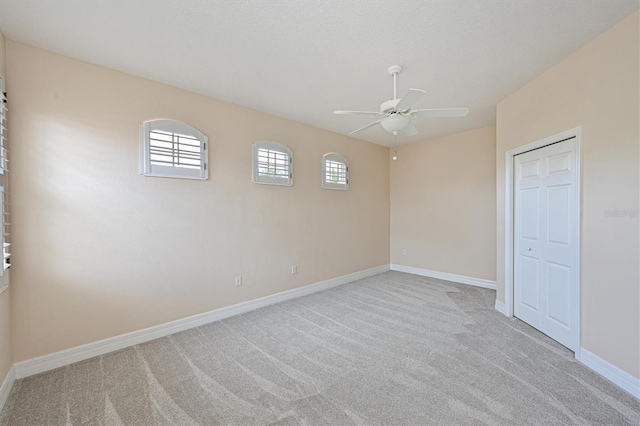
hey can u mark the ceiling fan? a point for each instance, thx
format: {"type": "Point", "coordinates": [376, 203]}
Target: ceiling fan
{"type": "Point", "coordinates": [397, 113]}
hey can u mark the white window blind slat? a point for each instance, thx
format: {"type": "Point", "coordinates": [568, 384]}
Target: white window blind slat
{"type": "Point", "coordinates": [174, 150]}
{"type": "Point", "coordinates": [336, 172]}
{"type": "Point", "coordinates": [273, 163]}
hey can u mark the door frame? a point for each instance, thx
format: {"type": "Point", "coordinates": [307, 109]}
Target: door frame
{"type": "Point", "coordinates": [509, 223]}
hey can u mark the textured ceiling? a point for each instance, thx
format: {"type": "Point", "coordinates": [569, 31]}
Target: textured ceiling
{"type": "Point", "coordinates": [304, 59]}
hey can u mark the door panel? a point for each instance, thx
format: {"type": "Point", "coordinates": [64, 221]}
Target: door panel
{"type": "Point", "coordinates": [559, 293]}
{"type": "Point", "coordinates": [558, 214]}
{"type": "Point", "coordinates": [560, 163]}
{"type": "Point", "coordinates": [529, 222]}
{"type": "Point", "coordinates": [530, 169]}
{"type": "Point", "coordinates": [545, 203]}
{"type": "Point", "coordinates": [529, 297]}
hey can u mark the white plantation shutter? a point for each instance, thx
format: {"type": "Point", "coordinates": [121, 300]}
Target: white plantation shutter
{"type": "Point", "coordinates": [6, 254]}
{"type": "Point", "coordinates": [335, 171]}
{"type": "Point", "coordinates": [170, 148]}
{"type": "Point", "coordinates": [6, 225]}
{"type": "Point", "coordinates": [3, 128]}
{"type": "Point", "coordinates": [272, 163]}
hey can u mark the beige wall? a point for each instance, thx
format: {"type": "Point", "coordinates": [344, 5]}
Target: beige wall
{"type": "Point", "coordinates": [6, 359]}
{"type": "Point", "coordinates": [101, 250]}
{"type": "Point", "coordinates": [596, 88]}
{"type": "Point", "coordinates": [443, 213]}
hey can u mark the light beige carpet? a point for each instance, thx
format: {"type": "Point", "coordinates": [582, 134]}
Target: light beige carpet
{"type": "Point", "coordinates": [391, 349]}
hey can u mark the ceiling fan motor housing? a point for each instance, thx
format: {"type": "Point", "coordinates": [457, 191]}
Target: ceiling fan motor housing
{"type": "Point", "coordinates": [389, 105]}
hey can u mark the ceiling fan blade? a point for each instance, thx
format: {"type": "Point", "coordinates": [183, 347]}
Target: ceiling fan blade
{"type": "Point", "coordinates": [365, 127]}
{"type": "Point", "coordinates": [441, 112]}
{"type": "Point", "coordinates": [409, 99]}
{"type": "Point", "coordinates": [410, 130]}
{"type": "Point", "coordinates": [340, 112]}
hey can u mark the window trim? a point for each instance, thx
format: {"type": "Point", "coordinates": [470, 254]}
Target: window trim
{"type": "Point", "coordinates": [173, 126]}
{"type": "Point", "coordinates": [268, 180]}
{"type": "Point", "coordinates": [334, 156]}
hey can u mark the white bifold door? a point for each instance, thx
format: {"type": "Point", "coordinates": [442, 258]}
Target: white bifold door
{"type": "Point", "coordinates": [546, 238]}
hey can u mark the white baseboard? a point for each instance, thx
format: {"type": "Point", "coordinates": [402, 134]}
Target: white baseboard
{"type": "Point", "coordinates": [462, 279]}
{"type": "Point", "coordinates": [501, 307]}
{"type": "Point", "coordinates": [90, 350]}
{"type": "Point", "coordinates": [6, 386]}
{"type": "Point", "coordinates": [621, 378]}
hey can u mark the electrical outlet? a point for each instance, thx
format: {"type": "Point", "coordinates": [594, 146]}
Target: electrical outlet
{"type": "Point", "coordinates": [239, 280]}
{"type": "Point", "coordinates": [404, 252]}
{"type": "Point", "coordinates": [294, 269]}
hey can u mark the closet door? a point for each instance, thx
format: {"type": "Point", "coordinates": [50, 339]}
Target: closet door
{"type": "Point", "coordinates": [545, 276]}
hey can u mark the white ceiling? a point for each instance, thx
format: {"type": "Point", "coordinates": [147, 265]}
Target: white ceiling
{"type": "Point", "coordinates": [304, 59]}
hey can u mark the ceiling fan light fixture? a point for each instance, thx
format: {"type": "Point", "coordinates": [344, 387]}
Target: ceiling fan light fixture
{"type": "Point", "coordinates": [395, 122]}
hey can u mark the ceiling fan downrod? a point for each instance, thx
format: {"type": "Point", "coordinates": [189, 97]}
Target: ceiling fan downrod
{"type": "Point", "coordinates": [394, 70]}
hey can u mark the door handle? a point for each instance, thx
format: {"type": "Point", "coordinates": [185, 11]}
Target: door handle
{"type": "Point", "coordinates": [528, 248]}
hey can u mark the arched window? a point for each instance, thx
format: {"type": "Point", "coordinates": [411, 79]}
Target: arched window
{"type": "Point", "coordinates": [272, 163]}
{"type": "Point", "coordinates": [335, 171]}
{"type": "Point", "coordinates": [170, 148]}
